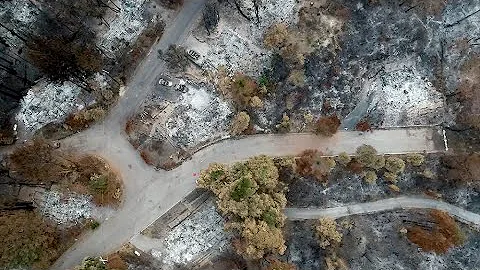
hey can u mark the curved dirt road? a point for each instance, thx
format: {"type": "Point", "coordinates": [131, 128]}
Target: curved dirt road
{"type": "Point", "coordinates": [149, 194]}
{"type": "Point", "coordinates": [383, 205]}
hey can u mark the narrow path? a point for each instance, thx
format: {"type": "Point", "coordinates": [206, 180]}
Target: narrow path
{"type": "Point", "coordinates": [383, 205]}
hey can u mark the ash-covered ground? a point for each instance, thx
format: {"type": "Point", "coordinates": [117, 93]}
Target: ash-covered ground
{"type": "Point", "coordinates": [345, 187]}
{"type": "Point", "coordinates": [394, 62]}
{"type": "Point", "coordinates": [375, 242]}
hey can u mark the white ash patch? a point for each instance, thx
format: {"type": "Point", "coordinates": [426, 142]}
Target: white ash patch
{"type": "Point", "coordinates": [432, 261]}
{"type": "Point", "coordinates": [199, 116]}
{"type": "Point", "coordinates": [125, 27]}
{"type": "Point", "coordinates": [195, 236]}
{"type": "Point", "coordinates": [239, 43]}
{"type": "Point", "coordinates": [22, 16]}
{"type": "Point", "coordinates": [66, 209]}
{"type": "Point", "coordinates": [463, 196]}
{"type": "Point", "coordinates": [236, 52]}
{"type": "Point", "coordinates": [21, 11]}
{"type": "Point", "coordinates": [47, 102]}
{"type": "Point", "coordinates": [404, 97]}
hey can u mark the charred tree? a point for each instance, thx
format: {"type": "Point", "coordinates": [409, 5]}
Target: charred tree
{"type": "Point", "coordinates": [211, 16]}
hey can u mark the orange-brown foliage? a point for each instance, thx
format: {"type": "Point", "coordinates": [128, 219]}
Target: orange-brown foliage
{"type": "Point", "coordinates": [305, 161]}
{"type": "Point", "coordinates": [27, 240]}
{"type": "Point", "coordinates": [363, 126]}
{"type": "Point", "coordinates": [129, 127]}
{"type": "Point", "coordinates": [327, 125]}
{"type": "Point", "coordinates": [444, 235]}
{"type": "Point", "coordinates": [311, 163]}
{"type": "Point", "coordinates": [146, 157]}
{"type": "Point", "coordinates": [38, 162]}
{"type": "Point", "coordinates": [462, 168]}
{"type": "Point", "coordinates": [355, 166]}
{"type": "Point", "coordinates": [276, 264]}
{"type": "Point", "coordinates": [115, 262]}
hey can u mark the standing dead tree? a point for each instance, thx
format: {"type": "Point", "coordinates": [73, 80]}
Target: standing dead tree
{"type": "Point", "coordinates": [248, 8]}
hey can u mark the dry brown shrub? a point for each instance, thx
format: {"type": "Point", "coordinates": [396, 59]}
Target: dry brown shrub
{"type": "Point", "coordinates": [327, 125]}
{"type": "Point", "coordinates": [38, 162]}
{"type": "Point", "coordinates": [276, 264]}
{"type": "Point", "coordinates": [276, 35]}
{"type": "Point", "coordinates": [363, 126]}
{"type": "Point", "coordinates": [355, 166]}
{"type": "Point", "coordinates": [115, 262]}
{"type": "Point", "coordinates": [27, 241]}
{"type": "Point", "coordinates": [89, 166]}
{"type": "Point", "coordinates": [444, 235]}
{"type": "Point", "coordinates": [469, 93]}
{"type": "Point", "coordinates": [168, 165]}
{"type": "Point", "coordinates": [146, 157]}
{"type": "Point", "coordinates": [84, 118]}
{"type": "Point", "coordinates": [463, 167]}
{"type": "Point", "coordinates": [129, 127]}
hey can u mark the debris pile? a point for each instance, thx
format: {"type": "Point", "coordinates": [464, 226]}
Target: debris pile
{"type": "Point", "coordinates": [48, 102]}
{"type": "Point", "coordinates": [196, 236]}
{"type": "Point", "coordinates": [66, 210]}
{"type": "Point", "coordinates": [199, 115]}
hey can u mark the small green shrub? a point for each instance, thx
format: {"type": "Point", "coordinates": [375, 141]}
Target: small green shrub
{"type": "Point", "coordinates": [270, 218]}
{"type": "Point", "coordinates": [98, 183]}
{"type": "Point", "coordinates": [94, 224]}
{"type": "Point", "coordinates": [243, 190]}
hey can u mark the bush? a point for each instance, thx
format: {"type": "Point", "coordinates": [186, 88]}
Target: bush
{"type": "Point", "coordinates": [343, 158]}
{"type": "Point", "coordinates": [38, 162]}
{"type": "Point", "coordinates": [176, 58]}
{"type": "Point", "coordinates": [327, 233]}
{"type": "Point", "coordinates": [28, 241]}
{"type": "Point", "coordinates": [276, 36]}
{"type": "Point", "coordinates": [251, 197]}
{"type": "Point", "coordinates": [363, 126]}
{"type": "Point", "coordinates": [367, 157]}
{"type": "Point", "coordinates": [415, 159]}
{"type": "Point", "coordinates": [240, 123]}
{"type": "Point", "coordinates": [94, 224]}
{"type": "Point", "coordinates": [395, 165]}
{"type": "Point", "coordinates": [243, 89]}
{"type": "Point", "coordinates": [327, 125]}
{"type": "Point", "coordinates": [443, 236]}
{"type": "Point", "coordinates": [98, 183]}
{"type": "Point", "coordinates": [390, 177]}
{"type": "Point", "coordinates": [82, 119]}
{"type": "Point", "coordinates": [370, 177]}
{"type": "Point", "coordinates": [92, 263]}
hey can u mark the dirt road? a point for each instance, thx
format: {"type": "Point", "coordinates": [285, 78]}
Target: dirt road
{"type": "Point", "coordinates": [383, 205]}
{"type": "Point", "coordinates": [149, 193]}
